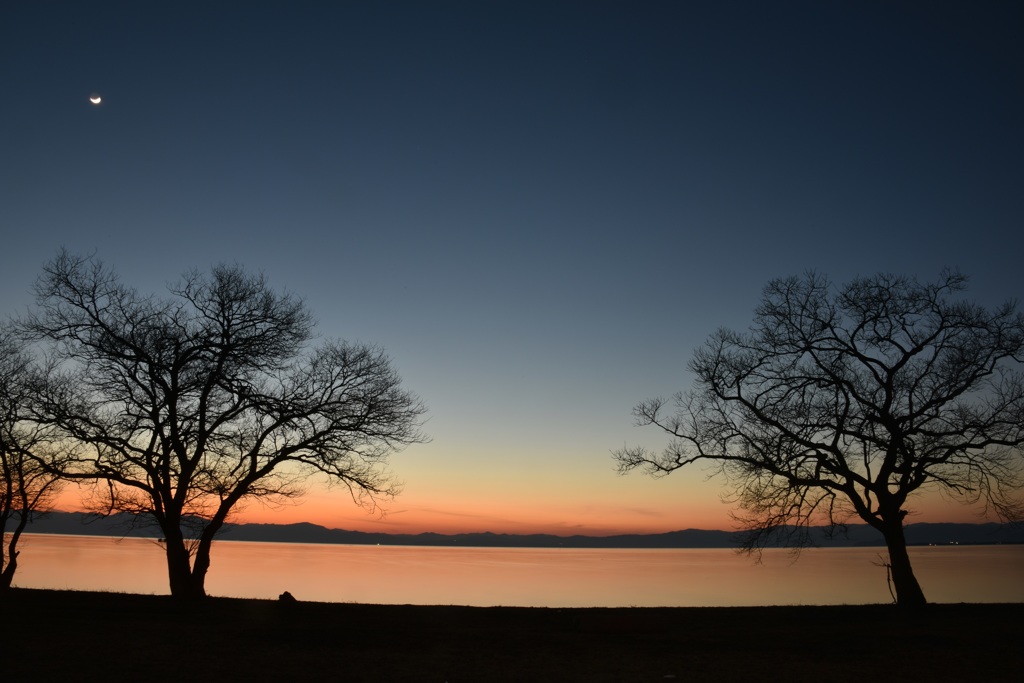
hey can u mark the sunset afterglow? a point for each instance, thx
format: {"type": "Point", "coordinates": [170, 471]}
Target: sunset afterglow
{"type": "Point", "coordinates": [538, 210]}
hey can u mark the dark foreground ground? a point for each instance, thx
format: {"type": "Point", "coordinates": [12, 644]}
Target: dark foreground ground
{"type": "Point", "coordinates": [80, 636]}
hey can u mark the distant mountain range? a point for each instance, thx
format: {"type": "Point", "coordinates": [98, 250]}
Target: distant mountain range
{"type": "Point", "coordinates": [857, 535]}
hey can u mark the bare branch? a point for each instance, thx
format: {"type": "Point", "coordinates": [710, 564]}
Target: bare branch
{"type": "Point", "coordinates": [194, 404]}
{"type": "Point", "coordinates": [848, 401]}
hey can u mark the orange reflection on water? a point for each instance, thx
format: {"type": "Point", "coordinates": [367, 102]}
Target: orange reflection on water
{"type": "Point", "coordinates": [92, 563]}
{"type": "Point", "coordinates": [524, 576]}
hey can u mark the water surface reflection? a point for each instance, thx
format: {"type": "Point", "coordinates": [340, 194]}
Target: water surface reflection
{"type": "Point", "coordinates": [524, 576]}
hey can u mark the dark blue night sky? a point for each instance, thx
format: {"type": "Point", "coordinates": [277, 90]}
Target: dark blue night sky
{"type": "Point", "coordinates": [538, 208]}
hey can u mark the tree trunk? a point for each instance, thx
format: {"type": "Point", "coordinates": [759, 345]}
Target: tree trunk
{"type": "Point", "coordinates": [179, 569]}
{"type": "Point", "coordinates": [7, 575]}
{"type": "Point", "coordinates": [201, 562]}
{"type": "Point", "coordinates": [200, 565]}
{"type": "Point", "coordinates": [187, 573]}
{"type": "Point", "coordinates": [908, 590]}
{"type": "Point", "coordinates": [11, 566]}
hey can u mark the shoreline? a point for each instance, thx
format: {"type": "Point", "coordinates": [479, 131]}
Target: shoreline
{"type": "Point", "coordinates": [83, 635]}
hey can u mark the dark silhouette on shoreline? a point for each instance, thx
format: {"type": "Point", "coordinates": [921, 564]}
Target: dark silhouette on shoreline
{"type": "Point", "coordinates": [841, 402]}
{"type": "Point", "coordinates": [266, 640]}
{"type": "Point", "coordinates": [29, 461]}
{"type": "Point", "coordinates": [186, 405]}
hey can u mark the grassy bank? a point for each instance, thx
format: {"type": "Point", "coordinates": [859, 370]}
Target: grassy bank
{"type": "Point", "coordinates": [81, 636]}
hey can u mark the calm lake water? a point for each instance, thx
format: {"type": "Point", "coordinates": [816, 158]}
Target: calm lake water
{"type": "Point", "coordinates": [524, 576]}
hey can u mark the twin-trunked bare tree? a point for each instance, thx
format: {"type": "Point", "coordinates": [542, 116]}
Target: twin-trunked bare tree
{"type": "Point", "coordinates": [842, 403]}
{"type": "Point", "coordinates": [185, 406]}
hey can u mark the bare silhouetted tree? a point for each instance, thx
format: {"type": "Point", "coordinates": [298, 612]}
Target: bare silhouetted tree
{"type": "Point", "coordinates": [195, 403]}
{"type": "Point", "coordinates": [29, 462]}
{"type": "Point", "coordinates": [841, 403]}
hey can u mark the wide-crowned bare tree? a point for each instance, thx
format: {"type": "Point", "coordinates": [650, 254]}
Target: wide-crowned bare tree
{"type": "Point", "coordinates": [195, 403]}
{"type": "Point", "coordinates": [843, 402]}
{"type": "Point", "coordinates": [30, 462]}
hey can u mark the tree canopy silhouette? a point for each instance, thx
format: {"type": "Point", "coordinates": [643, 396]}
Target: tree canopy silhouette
{"type": "Point", "coordinates": [201, 401]}
{"type": "Point", "coordinates": [842, 403]}
{"type": "Point", "coordinates": [30, 463]}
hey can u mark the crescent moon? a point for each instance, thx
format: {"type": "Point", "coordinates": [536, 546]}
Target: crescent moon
{"type": "Point", "coordinates": [95, 99]}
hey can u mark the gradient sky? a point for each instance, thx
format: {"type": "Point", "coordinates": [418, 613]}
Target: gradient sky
{"type": "Point", "coordinates": [540, 209]}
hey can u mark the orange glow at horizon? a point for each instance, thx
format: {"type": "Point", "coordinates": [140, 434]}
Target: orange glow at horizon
{"type": "Point", "coordinates": [413, 515]}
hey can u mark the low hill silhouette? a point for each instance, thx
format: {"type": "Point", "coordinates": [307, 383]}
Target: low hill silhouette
{"type": "Point", "coordinates": [855, 535]}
